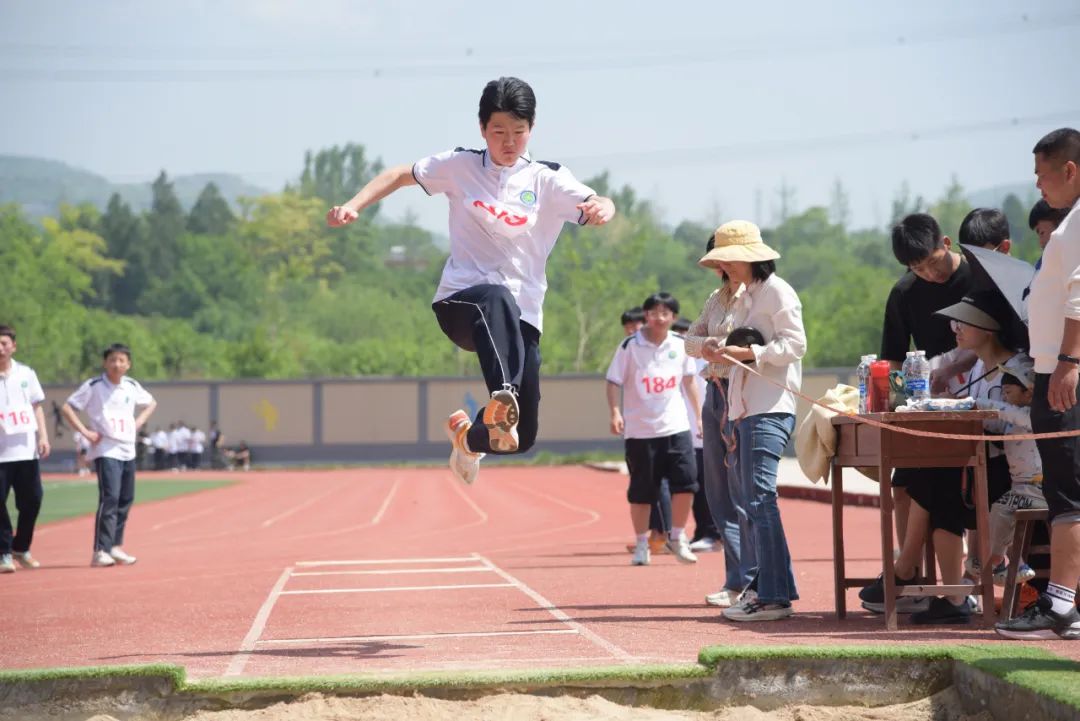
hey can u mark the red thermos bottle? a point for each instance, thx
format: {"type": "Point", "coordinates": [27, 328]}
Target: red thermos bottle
{"type": "Point", "coordinates": [878, 397]}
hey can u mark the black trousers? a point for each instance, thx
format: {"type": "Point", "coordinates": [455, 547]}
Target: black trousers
{"type": "Point", "coordinates": [116, 494]}
{"type": "Point", "coordinates": [1060, 456]}
{"type": "Point", "coordinates": [24, 478]}
{"type": "Point", "coordinates": [486, 320]}
{"type": "Point", "coordinates": [704, 525]}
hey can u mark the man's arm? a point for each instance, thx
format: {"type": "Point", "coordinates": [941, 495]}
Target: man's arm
{"type": "Point", "coordinates": [42, 432]}
{"type": "Point", "coordinates": [690, 389]}
{"type": "Point", "coordinates": [377, 188]}
{"type": "Point", "coordinates": [1061, 392]}
{"type": "Point", "coordinates": [596, 210]}
{"type": "Point", "coordinates": [140, 421]}
{"type": "Point", "coordinates": [75, 422]}
{"type": "Point", "coordinates": [614, 400]}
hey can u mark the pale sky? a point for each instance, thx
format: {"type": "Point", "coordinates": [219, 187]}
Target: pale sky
{"type": "Point", "coordinates": [703, 107]}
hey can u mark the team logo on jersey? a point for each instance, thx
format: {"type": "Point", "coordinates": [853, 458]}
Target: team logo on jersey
{"type": "Point", "coordinates": [671, 354]}
{"type": "Point", "coordinates": [527, 197]}
{"type": "Point", "coordinates": [25, 384]}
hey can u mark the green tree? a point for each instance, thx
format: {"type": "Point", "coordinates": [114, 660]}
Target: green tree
{"type": "Point", "coordinates": [950, 210]}
{"type": "Point", "coordinates": [211, 214]}
{"type": "Point", "coordinates": [125, 236]}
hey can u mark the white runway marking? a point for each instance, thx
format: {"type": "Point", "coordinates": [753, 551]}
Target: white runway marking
{"type": "Point", "coordinates": [181, 519]}
{"type": "Point", "coordinates": [422, 636]}
{"type": "Point", "coordinates": [397, 588]}
{"type": "Point", "coordinates": [295, 509]}
{"type": "Point", "coordinates": [387, 561]}
{"type": "Point", "coordinates": [392, 571]}
{"type": "Point", "coordinates": [236, 666]}
{"type": "Point", "coordinates": [554, 610]}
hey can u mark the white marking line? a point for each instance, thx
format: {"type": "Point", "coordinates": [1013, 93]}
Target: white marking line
{"type": "Point", "coordinates": [181, 519]}
{"type": "Point", "coordinates": [396, 588]}
{"type": "Point", "coordinates": [360, 526]}
{"type": "Point", "coordinates": [421, 636]}
{"type": "Point", "coordinates": [386, 503]}
{"type": "Point", "coordinates": [392, 571]}
{"type": "Point", "coordinates": [554, 610]}
{"type": "Point", "coordinates": [236, 666]}
{"type": "Point", "coordinates": [387, 561]}
{"type": "Point", "coordinates": [472, 504]}
{"type": "Point", "coordinates": [314, 499]}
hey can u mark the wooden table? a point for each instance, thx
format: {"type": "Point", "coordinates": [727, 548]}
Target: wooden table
{"type": "Point", "coordinates": [861, 444]}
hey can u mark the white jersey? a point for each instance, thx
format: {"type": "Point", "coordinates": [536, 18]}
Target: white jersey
{"type": "Point", "coordinates": [504, 222]}
{"type": "Point", "coordinates": [111, 410]}
{"type": "Point", "coordinates": [20, 392]}
{"type": "Point", "coordinates": [651, 378]}
{"type": "Point", "coordinates": [160, 440]}
{"type": "Point", "coordinates": [198, 441]}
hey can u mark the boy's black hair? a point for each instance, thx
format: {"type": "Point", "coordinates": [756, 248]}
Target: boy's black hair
{"type": "Point", "coordinates": [681, 325]}
{"type": "Point", "coordinates": [1061, 145]}
{"type": "Point", "coordinates": [984, 227]}
{"type": "Point", "coordinates": [508, 95]}
{"type": "Point", "coordinates": [915, 237]}
{"type": "Point", "coordinates": [116, 348]}
{"type": "Point", "coordinates": [1042, 211]}
{"type": "Point", "coordinates": [662, 298]}
{"type": "Point", "coordinates": [8, 331]}
{"type": "Point", "coordinates": [632, 315]}
{"type": "Point", "coordinates": [762, 269]}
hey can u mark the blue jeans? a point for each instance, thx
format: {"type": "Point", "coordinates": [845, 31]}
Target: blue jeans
{"type": "Point", "coordinates": [762, 439]}
{"type": "Point", "coordinates": [725, 495]}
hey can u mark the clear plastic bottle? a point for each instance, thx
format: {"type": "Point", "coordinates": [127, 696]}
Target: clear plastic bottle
{"type": "Point", "coordinates": [863, 375]}
{"type": "Point", "coordinates": [917, 375]}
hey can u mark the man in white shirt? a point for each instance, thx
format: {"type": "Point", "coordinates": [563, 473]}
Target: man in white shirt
{"type": "Point", "coordinates": [110, 401]}
{"type": "Point", "coordinates": [647, 373]}
{"type": "Point", "coordinates": [197, 446]}
{"type": "Point", "coordinates": [24, 439]}
{"type": "Point", "coordinates": [1054, 330]}
{"type": "Point", "coordinates": [506, 212]}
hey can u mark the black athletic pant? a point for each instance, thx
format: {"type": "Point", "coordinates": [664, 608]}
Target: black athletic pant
{"type": "Point", "coordinates": [486, 320]}
{"type": "Point", "coordinates": [24, 478]}
{"type": "Point", "coordinates": [116, 493]}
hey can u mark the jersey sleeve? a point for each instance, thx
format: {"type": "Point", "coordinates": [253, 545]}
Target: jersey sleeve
{"type": "Point", "coordinates": [142, 396]}
{"type": "Point", "coordinates": [80, 397]}
{"type": "Point", "coordinates": [566, 192]}
{"type": "Point", "coordinates": [34, 390]}
{"type": "Point", "coordinates": [435, 173]}
{"type": "Point", "coordinates": [616, 371]}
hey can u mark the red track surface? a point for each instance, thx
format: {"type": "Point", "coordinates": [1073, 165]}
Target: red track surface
{"type": "Point", "coordinates": [536, 555]}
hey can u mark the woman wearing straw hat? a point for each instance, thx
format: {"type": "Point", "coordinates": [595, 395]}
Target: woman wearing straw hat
{"type": "Point", "coordinates": [761, 405]}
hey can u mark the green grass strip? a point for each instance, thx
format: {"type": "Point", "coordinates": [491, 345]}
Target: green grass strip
{"type": "Point", "coordinates": [68, 500]}
{"type": "Point", "coordinates": [176, 674]}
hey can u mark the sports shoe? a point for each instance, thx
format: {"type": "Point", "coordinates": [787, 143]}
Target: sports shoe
{"type": "Point", "coordinates": [724, 598]}
{"type": "Point", "coordinates": [1024, 573]}
{"type": "Point", "coordinates": [1039, 622]}
{"type": "Point", "coordinates": [26, 560]}
{"type": "Point", "coordinates": [464, 464]}
{"type": "Point", "coordinates": [705, 544]}
{"type": "Point", "coordinates": [642, 556]}
{"type": "Point", "coordinates": [120, 556]}
{"type": "Point", "coordinates": [942, 611]}
{"type": "Point", "coordinates": [102, 559]}
{"type": "Point", "coordinates": [501, 419]}
{"type": "Point", "coordinates": [656, 543]}
{"type": "Point", "coordinates": [755, 610]}
{"type": "Point", "coordinates": [7, 565]}
{"type": "Point", "coordinates": [873, 597]}
{"type": "Point", "coordinates": [680, 549]}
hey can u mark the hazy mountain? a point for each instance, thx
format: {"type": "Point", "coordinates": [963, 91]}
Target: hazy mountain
{"type": "Point", "coordinates": [994, 197]}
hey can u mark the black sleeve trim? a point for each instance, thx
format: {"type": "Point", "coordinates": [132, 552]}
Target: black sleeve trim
{"type": "Point", "coordinates": [626, 342]}
{"type": "Point", "coordinates": [581, 215]}
{"type": "Point", "coordinates": [550, 164]}
{"type": "Point", "coordinates": [418, 180]}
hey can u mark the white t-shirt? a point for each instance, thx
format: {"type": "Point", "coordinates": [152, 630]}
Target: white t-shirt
{"type": "Point", "coordinates": [651, 379]}
{"type": "Point", "coordinates": [20, 391]}
{"type": "Point", "coordinates": [160, 440]}
{"type": "Point", "coordinates": [1055, 293]}
{"type": "Point", "coordinates": [198, 441]}
{"type": "Point", "coordinates": [504, 221]}
{"type": "Point", "coordinates": [111, 410]}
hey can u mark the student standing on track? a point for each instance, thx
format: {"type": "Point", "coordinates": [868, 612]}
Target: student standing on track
{"type": "Point", "coordinates": [506, 212]}
{"type": "Point", "coordinates": [110, 400]}
{"type": "Point", "coordinates": [24, 439]}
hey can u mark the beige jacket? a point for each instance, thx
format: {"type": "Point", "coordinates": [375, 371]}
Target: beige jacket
{"type": "Point", "coordinates": [815, 439]}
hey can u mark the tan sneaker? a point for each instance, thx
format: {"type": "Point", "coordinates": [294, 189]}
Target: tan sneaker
{"type": "Point", "coordinates": [26, 560]}
{"type": "Point", "coordinates": [501, 419]}
{"type": "Point", "coordinates": [100, 559]}
{"type": "Point", "coordinates": [120, 556]}
{"type": "Point", "coordinates": [7, 565]}
{"type": "Point", "coordinates": [464, 464]}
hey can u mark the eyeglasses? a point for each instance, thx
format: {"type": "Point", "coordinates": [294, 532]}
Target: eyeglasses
{"type": "Point", "coordinates": [956, 325]}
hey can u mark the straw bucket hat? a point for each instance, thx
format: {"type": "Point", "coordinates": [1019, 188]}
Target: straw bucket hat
{"type": "Point", "coordinates": [737, 240]}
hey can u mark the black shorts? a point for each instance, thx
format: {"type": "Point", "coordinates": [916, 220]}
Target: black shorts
{"type": "Point", "coordinates": [940, 492]}
{"type": "Point", "coordinates": [651, 460]}
{"type": "Point", "coordinates": [1060, 456]}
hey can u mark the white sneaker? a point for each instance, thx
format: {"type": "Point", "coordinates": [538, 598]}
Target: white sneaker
{"type": "Point", "coordinates": [704, 545]}
{"type": "Point", "coordinates": [642, 555]}
{"type": "Point", "coordinates": [723, 598]}
{"type": "Point", "coordinates": [101, 559]}
{"type": "Point", "coordinates": [757, 611]}
{"type": "Point", "coordinates": [501, 419]}
{"type": "Point", "coordinates": [464, 464]}
{"type": "Point", "coordinates": [120, 556]}
{"type": "Point", "coordinates": [26, 560]}
{"type": "Point", "coordinates": [681, 550]}
{"type": "Point", "coordinates": [7, 564]}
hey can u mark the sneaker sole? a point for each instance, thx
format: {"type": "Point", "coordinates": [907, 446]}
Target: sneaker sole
{"type": "Point", "coordinates": [1046, 634]}
{"type": "Point", "coordinates": [6, 569]}
{"type": "Point", "coordinates": [680, 559]}
{"type": "Point", "coordinates": [759, 617]}
{"type": "Point", "coordinates": [879, 608]}
{"type": "Point", "coordinates": [501, 419]}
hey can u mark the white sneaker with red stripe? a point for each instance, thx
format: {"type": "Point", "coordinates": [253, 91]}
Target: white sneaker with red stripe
{"type": "Point", "coordinates": [464, 464]}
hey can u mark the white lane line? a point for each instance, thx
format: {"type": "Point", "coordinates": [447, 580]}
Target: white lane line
{"type": "Point", "coordinates": [296, 509]}
{"type": "Point", "coordinates": [386, 561]}
{"type": "Point", "coordinates": [182, 519]}
{"type": "Point", "coordinates": [396, 588]}
{"type": "Point", "coordinates": [236, 666]}
{"type": "Point", "coordinates": [472, 504]}
{"type": "Point", "coordinates": [357, 527]}
{"type": "Point", "coordinates": [421, 636]}
{"type": "Point", "coordinates": [394, 571]}
{"type": "Point", "coordinates": [386, 503]}
{"type": "Point", "coordinates": [554, 610]}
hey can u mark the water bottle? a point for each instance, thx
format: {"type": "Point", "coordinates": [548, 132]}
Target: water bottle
{"type": "Point", "coordinates": [863, 374]}
{"type": "Point", "coordinates": [917, 375]}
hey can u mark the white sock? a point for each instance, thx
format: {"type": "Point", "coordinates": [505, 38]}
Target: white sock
{"type": "Point", "coordinates": [1064, 598]}
{"type": "Point", "coordinates": [676, 534]}
{"type": "Point", "coordinates": [643, 538]}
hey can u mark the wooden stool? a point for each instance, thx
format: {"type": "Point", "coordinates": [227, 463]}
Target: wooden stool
{"type": "Point", "coordinates": [1019, 550]}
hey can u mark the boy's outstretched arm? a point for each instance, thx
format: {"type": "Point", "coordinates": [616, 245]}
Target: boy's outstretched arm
{"type": "Point", "coordinates": [377, 188]}
{"type": "Point", "coordinates": [597, 210]}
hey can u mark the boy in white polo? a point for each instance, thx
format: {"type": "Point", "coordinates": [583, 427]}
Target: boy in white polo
{"type": "Point", "coordinates": [651, 371]}
{"type": "Point", "coordinates": [24, 438]}
{"type": "Point", "coordinates": [110, 401]}
{"type": "Point", "coordinates": [506, 212]}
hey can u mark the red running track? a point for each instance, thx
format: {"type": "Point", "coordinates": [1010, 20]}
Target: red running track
{"type": "Point", "coordinates": [394, 570]}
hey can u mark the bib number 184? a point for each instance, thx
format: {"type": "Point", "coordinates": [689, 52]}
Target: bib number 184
{"type": "Point", "coordinates": [658, 385]}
